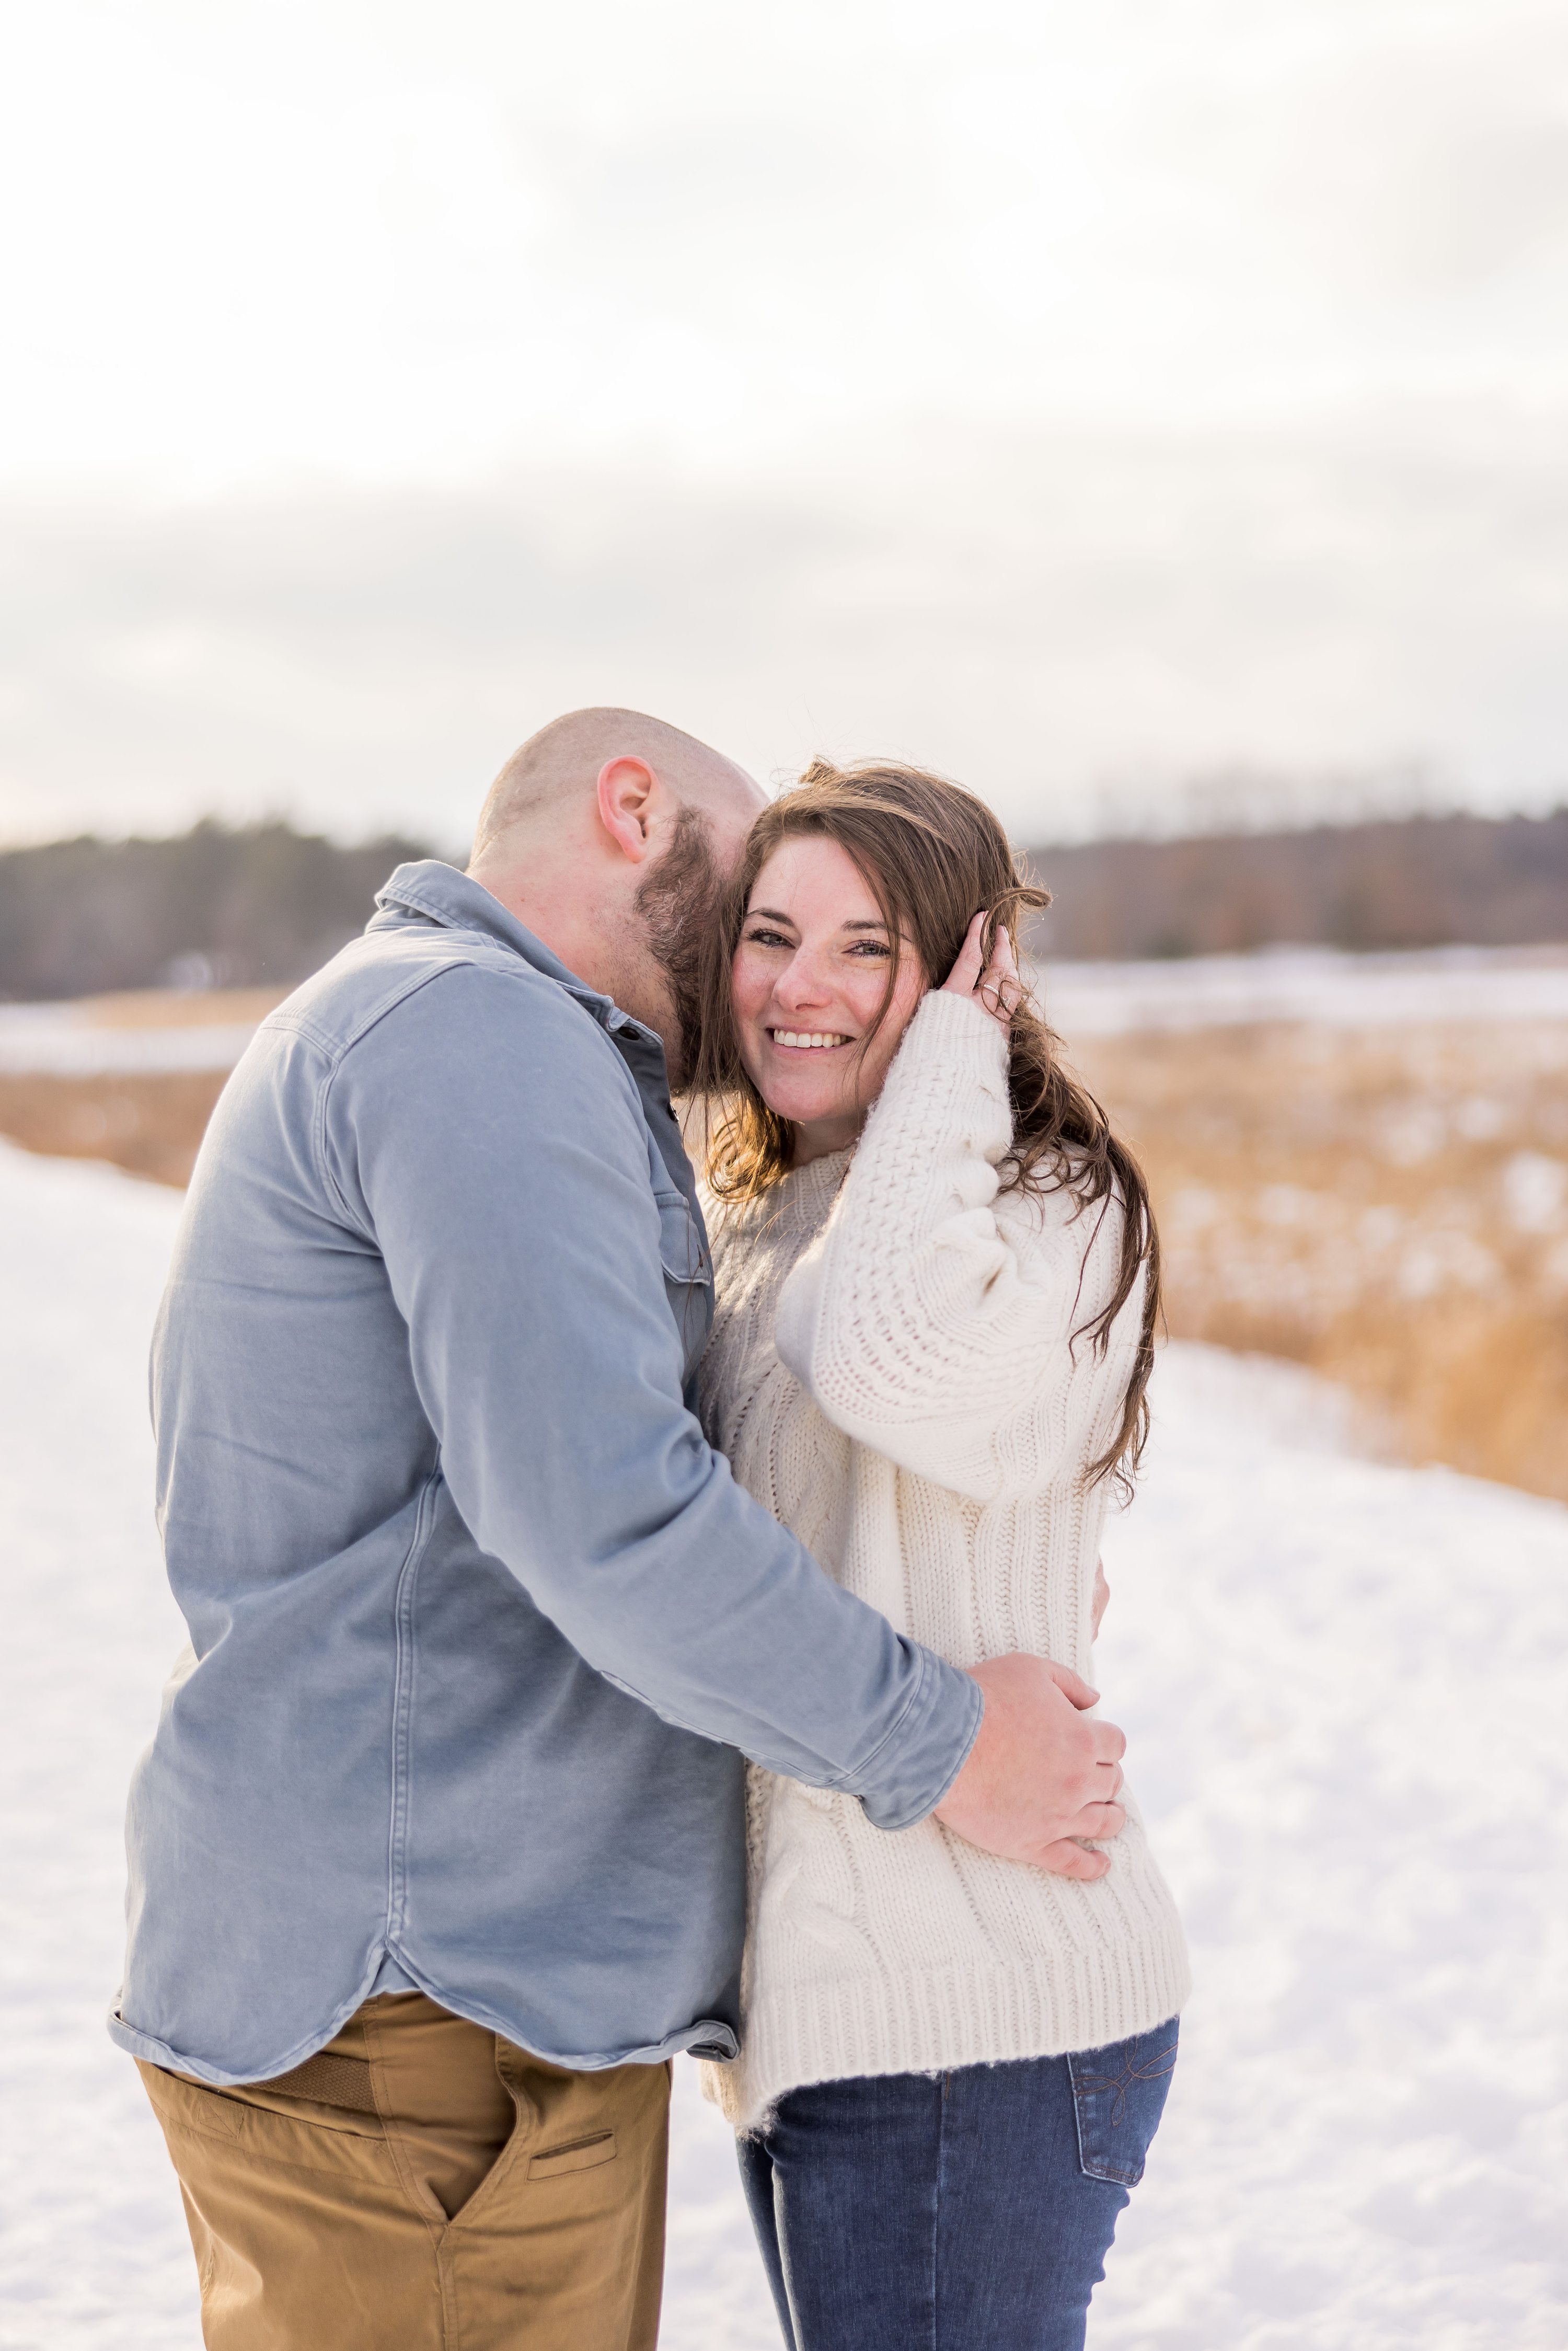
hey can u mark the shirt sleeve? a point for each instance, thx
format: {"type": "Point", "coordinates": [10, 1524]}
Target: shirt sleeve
{"type": "Point", "coordinates": [489, 1138]}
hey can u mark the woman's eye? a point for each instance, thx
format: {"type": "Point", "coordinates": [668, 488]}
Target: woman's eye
{"type": "Point", "coordinates": [874, 947]}
{"type": "Point", "coordinates": [765, 938]}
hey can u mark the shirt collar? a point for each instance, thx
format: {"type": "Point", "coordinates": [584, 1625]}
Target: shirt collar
{"type": "Point", "coordinates": [440, 894]}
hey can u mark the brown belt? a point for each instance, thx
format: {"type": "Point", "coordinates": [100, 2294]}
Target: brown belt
{"type": "Point", "coordinates": [331, 2080]}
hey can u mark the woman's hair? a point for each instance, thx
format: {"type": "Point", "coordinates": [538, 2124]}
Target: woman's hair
{"type": "Point", "coordinates": [932, 856]}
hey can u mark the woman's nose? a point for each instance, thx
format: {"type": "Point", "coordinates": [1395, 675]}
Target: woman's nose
{"type": "Point", "coordinates": [801, 983]}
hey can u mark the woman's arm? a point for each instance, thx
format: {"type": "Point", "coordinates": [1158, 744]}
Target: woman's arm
{"type": "Point", "coordinates": [925, 1325]}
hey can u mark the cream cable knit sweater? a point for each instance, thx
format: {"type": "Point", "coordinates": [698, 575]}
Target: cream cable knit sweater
{"type": "Point", "coordinates": [892, 1374]}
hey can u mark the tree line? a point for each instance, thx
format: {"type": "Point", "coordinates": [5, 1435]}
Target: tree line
{"type": "Point", "coordinates": [263, 904]}
{"type": "Point", "coordinates": [1414, 882]}
{"type": "Point", "coordinates": [247, 905]}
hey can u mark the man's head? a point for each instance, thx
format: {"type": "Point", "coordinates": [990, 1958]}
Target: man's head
{"type": "Point", "coordinates": [611, 834]}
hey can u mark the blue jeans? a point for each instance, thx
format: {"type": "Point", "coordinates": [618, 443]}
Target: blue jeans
{"type": "Point", "coordinates": [962, 2212]}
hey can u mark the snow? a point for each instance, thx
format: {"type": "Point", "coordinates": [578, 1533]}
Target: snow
{"type": "Point", "coordinates": [1352, 992]}
{"type": "Point", "coordinates": [59, 1040]}
{"type": "Point", "coordinates": [1342, 1682]}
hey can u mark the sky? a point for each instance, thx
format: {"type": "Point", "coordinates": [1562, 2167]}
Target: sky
{"type": "Point", "coordinates": [1141, 413]}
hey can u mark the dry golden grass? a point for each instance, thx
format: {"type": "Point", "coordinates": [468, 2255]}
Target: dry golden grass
{"type": "Point", "coordinates": [171, 1008]}
{"type": "Point", "coordinates": [150, 1125]}
{"type": "Point", "coordinates": [1388, 1206]}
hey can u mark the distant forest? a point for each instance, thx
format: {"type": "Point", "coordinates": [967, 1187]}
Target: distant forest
{"type": "Point", "coordinates": [218, 907]}
{"type": "Point", "coordinates": [1417, 882]}
{"type": "Point", "coordinates": [262, 904]}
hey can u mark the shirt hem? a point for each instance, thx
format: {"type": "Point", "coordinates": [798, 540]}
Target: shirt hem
{"type": "Point", "coordinates": [707, 2033]}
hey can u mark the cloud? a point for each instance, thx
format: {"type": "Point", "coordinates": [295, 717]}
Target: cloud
{"type": "Point", "coordinates": [1079, 399]}
{"type": "Point", "coordinates": [1053, 615]}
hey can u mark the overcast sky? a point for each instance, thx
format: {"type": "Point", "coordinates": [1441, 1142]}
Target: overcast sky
{"type": "Point", "coordinates": [1085, 400]}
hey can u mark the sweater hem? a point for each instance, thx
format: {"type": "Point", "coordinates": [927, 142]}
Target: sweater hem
{"type": "Point", "coordinates": [930, 2020]}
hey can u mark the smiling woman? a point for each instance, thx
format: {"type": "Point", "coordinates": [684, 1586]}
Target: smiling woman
{"type": "Point", "coordinates": [858, 892]}
{"type": "Point", "coordinates": [934, 1282]}
{"type": "Point", "coordinates": [819, 1006]}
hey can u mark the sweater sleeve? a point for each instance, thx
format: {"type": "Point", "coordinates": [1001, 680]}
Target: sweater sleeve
{"type": "Point", "coordinates": [927, 1326]}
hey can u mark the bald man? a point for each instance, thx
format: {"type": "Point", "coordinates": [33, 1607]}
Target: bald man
{"type": "Point", "coordinates": [438, 1856]}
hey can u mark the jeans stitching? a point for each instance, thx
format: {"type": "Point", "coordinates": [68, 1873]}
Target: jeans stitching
{"type": "Point", "coordinates": [1094, 2164]}
{"type": "Point", "coordinates": [1154, 2070]}
{"type": "Point", "coordinates": [937, 2204]}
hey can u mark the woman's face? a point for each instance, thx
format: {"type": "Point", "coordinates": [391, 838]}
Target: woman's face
{"type": "Point", "coordinates": [808, 978]}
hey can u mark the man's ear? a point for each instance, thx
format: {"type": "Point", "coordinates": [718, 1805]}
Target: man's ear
{"type": "Point", "coordinates": [629, 795]}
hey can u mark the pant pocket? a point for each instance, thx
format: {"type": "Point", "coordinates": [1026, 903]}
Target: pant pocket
{"type": "Point", "coordinates": [582, 2154]}
{"type": "Point", "coordinates": [1118, 2097]}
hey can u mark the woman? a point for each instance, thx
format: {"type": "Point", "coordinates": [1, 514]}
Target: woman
{"type": "Point", "coordinates": [937, 1274]}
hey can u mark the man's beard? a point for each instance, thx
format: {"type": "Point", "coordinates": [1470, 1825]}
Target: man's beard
{"type": "Point", "coordinates": [678, 905]}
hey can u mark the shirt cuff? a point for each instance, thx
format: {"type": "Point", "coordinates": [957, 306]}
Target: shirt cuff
{"type": "Point", "coordinates": [923, 1753]}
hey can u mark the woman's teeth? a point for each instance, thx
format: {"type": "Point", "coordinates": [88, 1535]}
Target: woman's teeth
{"type": "Point", "coordinates": [806, 1038]}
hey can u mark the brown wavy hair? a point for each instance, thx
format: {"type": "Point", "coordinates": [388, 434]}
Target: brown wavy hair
{"type": "Point", "coordinates": [932, 856]}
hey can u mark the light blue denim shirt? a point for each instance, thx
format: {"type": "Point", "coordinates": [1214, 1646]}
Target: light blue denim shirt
{"type": "Point", "coordinates": [480, 1627]}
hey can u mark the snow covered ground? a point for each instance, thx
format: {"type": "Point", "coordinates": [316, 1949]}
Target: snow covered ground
{"type": "Point", "coordinates": [64, 1040]}
{"type": "Point", "coordinates": [1320, 983]}
{"type": "Point", "coordinates": [1343, 1687]}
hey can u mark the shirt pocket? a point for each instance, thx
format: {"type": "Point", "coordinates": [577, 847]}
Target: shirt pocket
{"type": "Point", "coordinates": [688, 1272]}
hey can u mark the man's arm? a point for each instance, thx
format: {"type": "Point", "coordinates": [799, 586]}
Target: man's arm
{"type": "Point", "coordinates": [490, 1139]}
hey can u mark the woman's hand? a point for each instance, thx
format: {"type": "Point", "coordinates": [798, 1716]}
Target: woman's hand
{"type": "Point", "coordinates": [995, 986]}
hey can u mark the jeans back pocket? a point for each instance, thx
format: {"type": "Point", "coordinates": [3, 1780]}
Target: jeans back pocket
{"type": "Point", "coordinates": [1118, 2097]}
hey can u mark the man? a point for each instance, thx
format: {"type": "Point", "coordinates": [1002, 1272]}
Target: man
{"type": "Point", "coordinates": [437, 1855]}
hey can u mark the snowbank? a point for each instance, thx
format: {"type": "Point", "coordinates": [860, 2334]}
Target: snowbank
{"type": "Point", "coordinates": [1343, 1685]}
{"type": "Point", "coordinates": [1318, 984]}
{"type": "Point", "coordinates": [59, 1040]}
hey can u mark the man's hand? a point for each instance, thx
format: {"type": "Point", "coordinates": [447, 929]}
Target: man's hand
{"type": "Point", "coordinates": [1040, 1774]}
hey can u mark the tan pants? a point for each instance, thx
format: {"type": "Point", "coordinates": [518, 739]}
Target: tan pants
{"type": "Point", "coordinates": [421, 2185]}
